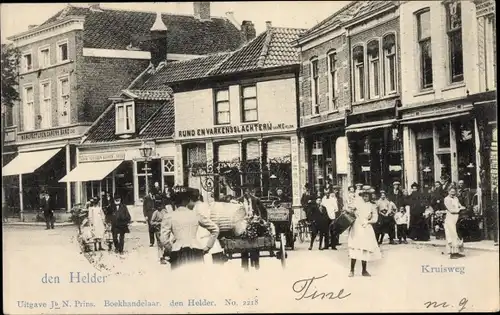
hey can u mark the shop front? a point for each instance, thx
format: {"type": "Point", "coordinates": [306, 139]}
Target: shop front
{"type": "Point", "coordinates": [43, 157]}
{"type": "Point", "coordinates": [375, 151]}
{"type": "Point", "coordinates": [224, 166]}
{"type": "Point", "coordinates": [439, 143]}
{"type": "Point", "coordinates": [326, 155]}
{"type": "Point", "coordinates": [123, 169]}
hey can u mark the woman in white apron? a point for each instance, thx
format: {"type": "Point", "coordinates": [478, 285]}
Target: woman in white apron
{"type": "Point", "coordinates": [97, 224]}
{"type": "Point", "coordinates": [361, 241]}
{"type": "Point", "coordinates": [454, 245]}
{"type": "Point", "coordinates": [203, 235]}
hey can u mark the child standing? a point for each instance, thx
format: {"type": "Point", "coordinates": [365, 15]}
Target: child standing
{"type": "Point", "coordinates": [156, 220]}
{"type": "Point", "coordinates": [401, 218]}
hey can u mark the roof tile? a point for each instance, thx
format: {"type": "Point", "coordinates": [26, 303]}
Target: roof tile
{"type": "Point", "coordinates": [117, 29]}
{"type": "Point", "coordinates": [162, 124]}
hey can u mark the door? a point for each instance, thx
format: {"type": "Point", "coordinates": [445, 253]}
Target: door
{"type": "Point", "coordinates": [425, 158]}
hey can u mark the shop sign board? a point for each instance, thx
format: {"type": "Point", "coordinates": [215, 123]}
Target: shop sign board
{"type": "Point", "coordinates": [51, 134]}
{"type": "Point", "coordinates": [97, 157]}
{"type": "Point", "coordinates": [234, 130]}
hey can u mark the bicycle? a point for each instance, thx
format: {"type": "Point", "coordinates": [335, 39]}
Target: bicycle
{"type": "Point", "coordinates": [304, 230]}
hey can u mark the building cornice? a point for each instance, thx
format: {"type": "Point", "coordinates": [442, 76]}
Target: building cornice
{"type": "Point", "coordinates": [131, 54]}
{"type": "Point", "coordinates": [387, 8]}
{"type": "Point", "coordinates": [71, 23]}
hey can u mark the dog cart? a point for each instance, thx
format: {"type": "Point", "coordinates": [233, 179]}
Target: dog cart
{"type": "Point", "coordinates": [281, 216]}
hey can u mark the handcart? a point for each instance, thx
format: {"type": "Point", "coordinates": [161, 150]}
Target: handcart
{"type": "Point", "coordinates": [269, 244]}
{"type": "Point", "coordinates": [281, 216]}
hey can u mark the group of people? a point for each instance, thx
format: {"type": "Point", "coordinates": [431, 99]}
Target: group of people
{"type": "Point", "coordinates": [385, 213]}
{"type": "Point", "coordinates": [109, 221]}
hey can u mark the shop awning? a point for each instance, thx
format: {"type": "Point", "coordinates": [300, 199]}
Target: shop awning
{"type": "Point", "coordinates": [85, 172]}
{"type": "Point", "coordinates": [431, 118]}
{"type": "Point", "coordinates": [28, 162]}
{"type": "Point", "coordinates": [370, 125]}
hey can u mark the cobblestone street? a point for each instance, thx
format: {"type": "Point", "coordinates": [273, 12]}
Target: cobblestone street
{"type": "Point", "coordinates": [30, 252]}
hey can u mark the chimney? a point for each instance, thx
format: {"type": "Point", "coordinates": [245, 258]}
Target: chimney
{"type": "Point", "coordinates": [95, 7]}
{"type": "Point", "coordinates": [269, 24]}
{"type": "Point", "coordinates": [201, 10]}
{"type": "Point", "coordinates": [248, 30]}
{"type": "Point", "coordinates": [32, 26]}
{"type": "Point", "coordinates": [158, 44]}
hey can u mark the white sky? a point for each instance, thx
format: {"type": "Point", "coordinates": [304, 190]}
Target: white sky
{"type": "Point", "coordinates": [15, 17]}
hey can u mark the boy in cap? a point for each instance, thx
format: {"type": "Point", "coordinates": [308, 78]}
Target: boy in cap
{"type": "Point", "coordinates": [386, 209]}
{"type": "Point", "coordinates": [396, 194]}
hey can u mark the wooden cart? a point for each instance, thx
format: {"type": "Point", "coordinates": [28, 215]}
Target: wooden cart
{"type": "Point", "coordinates": [281, 216]}
{"type": "Point", "coordinates": [262, 244]}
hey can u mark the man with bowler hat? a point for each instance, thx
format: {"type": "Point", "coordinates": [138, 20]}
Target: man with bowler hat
{"type": "Point", "coordinates": [119, 223]}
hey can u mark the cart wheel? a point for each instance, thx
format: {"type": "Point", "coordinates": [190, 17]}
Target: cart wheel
{"type": "Point", "coordinates": [282, 250]}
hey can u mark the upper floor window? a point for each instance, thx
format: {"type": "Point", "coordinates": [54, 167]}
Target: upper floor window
{"type": "Point", "coordinates": [62, 51]}
{"type": "Point", "coordinates": [45, 105]}
{"type": "Point", "coordinates": [315, 86]}
{"type": "Point", "coordinates": [373, 51]}
{"type": "Point", "coordinates": [222, 111]}
{"type": "Point", "coordinates": [389, 48]}
{"type": "Point", "coordinates": [332, 80]}
{"type": "Point", "coordinates": [27, 63]}
{"type": "Point", "coordinates": [454, 31]}
{"type": "Point", "coordinates": [125, 118]}
{"type": "Point", "coordinates": [28, 109]}
{"type": "Point", "coordinates": [249, 103]}
{"type": "Point", "coordinates": [358, 73]}
{"type": "Point", "coordinates": [64, 100]}
{"type": "Point", "coordinates": [424, 43]}
{"type": "Point", "coordinates": [44, 57]}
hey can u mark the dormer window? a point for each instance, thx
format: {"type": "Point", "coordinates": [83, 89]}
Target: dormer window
{"type": "Point", "coordinates": [125, 118]}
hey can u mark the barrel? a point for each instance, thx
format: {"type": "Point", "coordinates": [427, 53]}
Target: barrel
{"type": "Point", "coordinates": [226, 215]}
{"type": "Point", "coordinates": [343, 222]}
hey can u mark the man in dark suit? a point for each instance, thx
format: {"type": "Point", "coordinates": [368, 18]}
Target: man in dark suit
{"type": "Point", "coordinates": [319, 224]}
{"type": "Point", "coordinates": [396, 195]}
{"type": "Point", "coordinates": [334, 236]}
{"type": "Point", "coordinates": [148, 208]}
{"type": "Point", "coordinates": [253, 206]}
{"type": "Point", "coordinates": [463, 194]}
{"type": "Point", "coordinates": [48, 213]}
{"type": "Point", "coordinates": [119, 223]}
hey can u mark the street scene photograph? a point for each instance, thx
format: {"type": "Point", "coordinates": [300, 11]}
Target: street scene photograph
{"type": "Point", "coordinates": [249, 157]}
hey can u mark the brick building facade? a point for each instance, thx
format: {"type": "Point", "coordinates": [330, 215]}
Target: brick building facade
{"type": "Point", "coordinates": [70, 65]}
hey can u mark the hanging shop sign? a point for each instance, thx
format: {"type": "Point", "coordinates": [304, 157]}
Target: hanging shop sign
{"type": "Point", "coordinates": [233, 130]}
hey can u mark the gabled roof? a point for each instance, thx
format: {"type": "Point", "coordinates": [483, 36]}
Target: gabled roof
{"type": "Point", "coordinates": [273, 48]}
{"type": "Point", "coordinates": [349, 12]}
{"type": "Point", "coordinates": [117, 29]}
{"type": "Point", "coordinates": [103, 129]}
{"type": "Point", "coordinates": [182, 71]}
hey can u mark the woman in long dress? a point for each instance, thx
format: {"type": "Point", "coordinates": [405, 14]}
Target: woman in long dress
{"type": "Point", "coordinates": [361, 241]}
{"type": "Point", "coordinates": [454, 244]}
{"type": "Point", "coordinates": [97, 224]}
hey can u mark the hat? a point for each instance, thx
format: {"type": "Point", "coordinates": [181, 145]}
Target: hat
{"type": "Point", "coordinates": [415, 185]}
{"type": "Point", "coordinates": [364, 192]}
{"type": "Point", "coordinates": [358, 184]}
{"type": "Point", "coordinates": [396, 183]}
{"type": "Point", "coordinates": [367, 187]}
{"type": "Point", "coordinates": [371, 191]}
{"type": "Point", "coordinates": [382, 191]}
{"type": "Point", "coordinates": [117, 196]}
{"type": "Point", "coordinates": [335, 187]}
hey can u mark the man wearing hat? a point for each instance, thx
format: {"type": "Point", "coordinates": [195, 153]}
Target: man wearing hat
{"type": "Point", "coordinates": [418, 203]}
{"type": "Point", "coordinates": [386, 209]}
{"type": "Point", "coordinates": [396, 195]}
{"type": "Point", "coordinates": [120, 219]}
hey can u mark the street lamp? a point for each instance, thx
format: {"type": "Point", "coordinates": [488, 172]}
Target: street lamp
{"type": "Point", "coordinates": [146, 151]}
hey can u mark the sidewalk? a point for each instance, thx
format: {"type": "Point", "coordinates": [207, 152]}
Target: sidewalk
{"type": "Point", "coordinates": [485, 245]}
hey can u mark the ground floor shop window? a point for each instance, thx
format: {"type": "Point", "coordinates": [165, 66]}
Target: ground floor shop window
{"type": "Point", "coordinates": [150, 171]}
{"type": "Point", "coordinates": [124, 181]}
{"type": "Point", "coordinates": [168, 172]}
{"type": "Point", "coordinates": [466, 151]}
